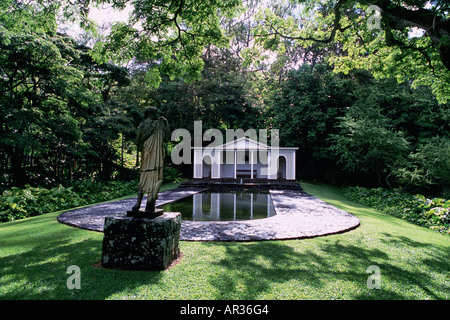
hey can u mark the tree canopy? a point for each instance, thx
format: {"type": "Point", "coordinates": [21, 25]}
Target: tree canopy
{"type": "Point", "coordinates": [405, 39]}
{"type": "Point", "coordinates": [171, 33]}
{"type": "Point", "coordinates": [364, 104]}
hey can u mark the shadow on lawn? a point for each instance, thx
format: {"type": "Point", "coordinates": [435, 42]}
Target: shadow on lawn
{"type": "Point", "coordinates": [337, 270]}
{"type": "Point", "coordinates": [317, 269]}
{"type": "Point", "coordinates": [41, 271]}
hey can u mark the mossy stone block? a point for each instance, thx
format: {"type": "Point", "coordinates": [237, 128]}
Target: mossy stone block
{"type": "Point", "coordinates": [141, 243]}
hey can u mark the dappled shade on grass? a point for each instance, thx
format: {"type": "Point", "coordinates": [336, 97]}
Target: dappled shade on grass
{"type": "Point", "coordinates": [413, 261]}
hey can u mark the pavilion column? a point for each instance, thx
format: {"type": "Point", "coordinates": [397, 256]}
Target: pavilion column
{"type": "Point", "coordinates": [219, 163]}
{"type": "Point", "coordinates": [235, 164]}
{"type": "Point", "coordinates": [220, 156]}
{"type": "Point", "coordinates": [293, 166]}
{"type": "Point", "coordinates": [234, 206]}
{"type": "Point", "coordinates": [251, 206]}
{"type": "Point", "coordinates": [251, 164]}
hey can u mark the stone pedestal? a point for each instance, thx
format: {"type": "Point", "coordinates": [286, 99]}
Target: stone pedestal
{"type": "Point", "coordinates": [141, 243]}
{"type": "Point", "coordinates": [144, 214]}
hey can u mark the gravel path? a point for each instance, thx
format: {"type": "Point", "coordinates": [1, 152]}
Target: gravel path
{"type": "Point", "coordinates": [299, 215]}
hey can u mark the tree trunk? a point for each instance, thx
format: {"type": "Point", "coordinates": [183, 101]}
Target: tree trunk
{"type": "Point", "coordinates": [17, 172]}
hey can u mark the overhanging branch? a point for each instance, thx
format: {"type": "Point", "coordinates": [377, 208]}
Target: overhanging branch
{"type": "Point", "coordinates": [336, 27]}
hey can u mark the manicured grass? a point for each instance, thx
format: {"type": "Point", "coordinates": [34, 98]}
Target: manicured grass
{"type": "Point", "coordinates": [413, 261]}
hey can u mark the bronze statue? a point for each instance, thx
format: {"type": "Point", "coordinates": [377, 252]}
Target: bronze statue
{"type": "Point", "coordinates": [152, 133]}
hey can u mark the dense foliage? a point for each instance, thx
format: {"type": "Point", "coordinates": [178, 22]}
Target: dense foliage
{"type": "Point", "coordinates": [405, 39]}
{"type": "Point", "coordinates": [173, 33]}
{"type": "Point", "coordinates": [58, 117]}
{"type": "Point", "coordinates": [69, 107]}
{"type": "Point", "coordinates": [431, 213]}
{"type": "Point", "coordinates": [357, 129]}
{"type": "Point", "coordinates": [17, 203]}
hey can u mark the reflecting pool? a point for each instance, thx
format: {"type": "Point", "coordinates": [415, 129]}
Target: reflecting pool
{"type": "Point", "coordinates": [213, 205]}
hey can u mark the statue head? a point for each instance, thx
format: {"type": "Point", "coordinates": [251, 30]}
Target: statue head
{"type": "Point", "coordinates": [151, 113]}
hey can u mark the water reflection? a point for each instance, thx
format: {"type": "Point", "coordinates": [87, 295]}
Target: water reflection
{"type": "Point", "coordinates": [224, 206]}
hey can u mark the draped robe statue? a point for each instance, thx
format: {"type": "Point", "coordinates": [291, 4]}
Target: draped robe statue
{"type": "Point", "coordinates": [151, 135]}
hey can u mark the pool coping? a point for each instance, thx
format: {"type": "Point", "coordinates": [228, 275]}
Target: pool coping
{"type": "Point", "coordinates": [299, 215]}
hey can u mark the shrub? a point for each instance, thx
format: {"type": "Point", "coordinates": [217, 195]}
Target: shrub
{"type": "Point", "coordinates": [18, 203]}
{"type": "Point", "coordinates": [172, 174]}
{"type": "Point", "coordinates": [428, 167]}
{"type": "Point", "coordinates": [431, 213]}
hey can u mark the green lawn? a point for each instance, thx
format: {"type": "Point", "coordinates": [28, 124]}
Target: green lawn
{"type": "Point", "coordinates": [413, 261]}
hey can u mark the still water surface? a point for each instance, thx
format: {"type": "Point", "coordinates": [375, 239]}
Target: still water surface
{"type": "Point", "coordinates": [224, 206]}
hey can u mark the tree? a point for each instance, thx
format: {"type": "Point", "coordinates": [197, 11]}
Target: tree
{"type": "Point", "coordinates": [221, 98]}
{"type": "Point", "coordinates": [381, 137]}
{"type": "Point", "coordinates": [104, 116]}
{"type": "Point", "coordinates": [305, 110]}
{"type": "Point", "coordinates": [370, 147]}
{"type": "Point", "coordinates": [58, 118]}
{"type": "Point", "coordinates": [428, 167]}
{"type": "Point", "coordinates": [387, 51]}
{"type": "Point", "coordinates": [173, 34]}
{"type": "Point", "coordinates": [35, 83]}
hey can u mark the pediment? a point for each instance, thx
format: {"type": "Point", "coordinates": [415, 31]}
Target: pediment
{"type": "Point", "coordinates": [244, 143]}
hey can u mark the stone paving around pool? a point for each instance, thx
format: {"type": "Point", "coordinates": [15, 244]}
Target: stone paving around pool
{"type": "Point", "coordinates": [299, 215]}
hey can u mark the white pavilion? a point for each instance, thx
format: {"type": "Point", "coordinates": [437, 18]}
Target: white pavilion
{"type": "Point", "coordinates": [244, 158]}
